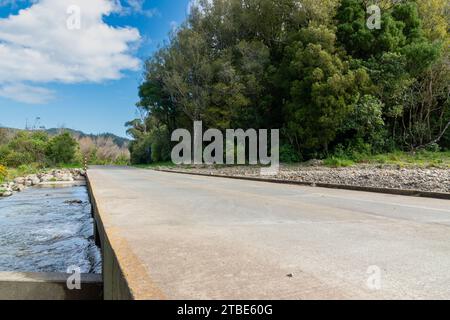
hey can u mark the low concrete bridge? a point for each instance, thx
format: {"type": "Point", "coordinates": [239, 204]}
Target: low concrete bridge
{"type": "Point", "coordinates": [171, 236]}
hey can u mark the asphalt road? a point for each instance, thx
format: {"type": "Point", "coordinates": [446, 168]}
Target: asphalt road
{"type": "Point", "coordinates": [214, 238]}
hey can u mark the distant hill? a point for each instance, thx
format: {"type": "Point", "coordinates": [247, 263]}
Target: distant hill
{"type": "Point", "coordinates": [119, 141]}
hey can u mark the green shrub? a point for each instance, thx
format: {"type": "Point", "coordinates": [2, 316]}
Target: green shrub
{"type": "Point", "coordinates": [61, 149]}
{"type": "Point", "coordinates": [4, 151]}
{"type": "Point", "coordinates": [3, 173]}
{"type": "Point", "coordinates": [31, 145]}
{"type": "Point", "coordinates": [288, 154]}
{"type": "Point", "coordinates": [161, 150]}
{"type": "Point", "coordinates": [141, 150]}
{"type": "Point", "coordinates": [434, 147]}
{"type": "Point", "coordinates": [26, 169]}
{"type": "Point", "coordinates": [15, 159]}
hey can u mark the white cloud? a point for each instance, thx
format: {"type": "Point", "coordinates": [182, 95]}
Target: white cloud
{"type": "Point", "coordinates": [26, 94]}
{"type": "Point", "coordinates": [130, 7]}
{"type": "Point", "coordinates": [36, 47]}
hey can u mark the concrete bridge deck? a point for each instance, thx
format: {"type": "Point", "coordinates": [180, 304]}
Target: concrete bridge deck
{"type": "Point", "coordinates": [171, 236]}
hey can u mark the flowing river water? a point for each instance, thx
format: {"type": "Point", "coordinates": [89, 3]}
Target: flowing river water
{"type": "Point", "coordinates": [48, 229]}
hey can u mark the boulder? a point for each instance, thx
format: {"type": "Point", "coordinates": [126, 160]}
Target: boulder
{"type": "Point", "coordinates": [66, 177]}
{"type": "Point", "coordinates": [5, 193]}
{"type": "Point", "coordinates": [47, 178]}
{"type": "Point", "coordinates": [18, 187]}
{"type": "Point", "coordinates": [33, 179]}
{"type": "Point", "coordinates": [19, 180]}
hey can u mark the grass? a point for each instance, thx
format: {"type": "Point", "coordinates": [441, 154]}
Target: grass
{"type": "Point", "coordinates": [21, 171]}
{"type": "Point", "coordinates": [337, 162]}
{"type": "Point", "coordinates": [422, 159]}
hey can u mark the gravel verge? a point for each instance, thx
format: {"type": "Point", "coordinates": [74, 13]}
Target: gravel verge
{"type": "Point", "coordinates": [375, 176]}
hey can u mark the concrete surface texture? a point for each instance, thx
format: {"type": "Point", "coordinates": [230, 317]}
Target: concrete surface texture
{"type": "Point", "coordinates": [48, 286]}
{"type": "Point", "coordinates": [190, 237]}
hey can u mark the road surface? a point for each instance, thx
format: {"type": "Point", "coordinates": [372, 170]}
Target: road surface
{"type": "Point", "coordinates": [214, 238]}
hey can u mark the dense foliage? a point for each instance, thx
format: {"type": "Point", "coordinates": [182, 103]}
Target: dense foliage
{"type": "Point", "coordinates": [37, 147]}
{"type": "Point", "coordinates": [311, 68]}
{"type": "Point", "coordinates": [41, 149]}
{"type": "Point", "coordinates": [3, 173]}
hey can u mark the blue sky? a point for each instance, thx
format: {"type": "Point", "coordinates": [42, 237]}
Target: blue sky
{"type": "Point", "coordinates": [60, 89]}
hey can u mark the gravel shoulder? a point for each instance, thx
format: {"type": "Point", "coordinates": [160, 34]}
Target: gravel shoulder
{"type": "Point", "coordinates": [377, 176]}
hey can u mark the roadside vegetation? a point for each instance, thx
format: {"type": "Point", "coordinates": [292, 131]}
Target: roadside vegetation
{"type": "Point", "coordinates": [338, 91]}
{"type": "Point", "coordinates": [421, 159]}
{"type": "Point", "coordinates": [29, 152]}
{"type": "Point", "coordinates": [399, 159]}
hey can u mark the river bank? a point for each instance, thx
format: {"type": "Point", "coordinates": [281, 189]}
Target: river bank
{"type": "Point", "coordinates": [19, 184]}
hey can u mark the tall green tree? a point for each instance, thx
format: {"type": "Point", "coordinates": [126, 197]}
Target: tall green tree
{"type": "Point", "coordinates": [61, 149]}
{"type": "Point", "coordinates": [310, 68]}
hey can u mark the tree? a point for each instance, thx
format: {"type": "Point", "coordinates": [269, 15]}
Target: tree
{"type": "Point", "coordinates": [434, 16]}
{"type": "Point", "coordinates": [189, 75]}
{"type": "Point", "coordinates": [61, 149]}
{"type": "Point", "coordinates": [310, 68]}
{"type": "Point", "coordinates": [402, 62]}
{"type": "Point", "coordinates": [25, 148]}
{"type": "Point", "coordinates": [324, 91]}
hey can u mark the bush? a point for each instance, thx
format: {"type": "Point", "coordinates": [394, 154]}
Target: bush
{"type": "Point", "coordinates": [15, 159]}
{"type": "Point", "coordinates": [26, 169]}
{"type": "Point", "coordinates": [434, 147]}
{"type": "Point", "coordinates": [161, 151]}
{"type": "Point", "coordinates": [288, 154]}
{"type": "Point", "coordinates": [62, 149]}
{"type": "Point", "coordinates": [25, 147]}
{"type": "Point", "coordinates": [4, 151]}
{"type": "Point", "coordinates": [3, 173]}
{"type": "Point", "coordinates": [141, 150]}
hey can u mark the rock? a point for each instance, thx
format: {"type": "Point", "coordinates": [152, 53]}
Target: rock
{"type": "Point", "coordinates": [79, 178]}
{"type": "Point", "coordinates": [21, 183]}
{"type": "Point", "coordinates": [19, 180]}
{"type": "Point", "coordinates": [47, 178]}
{"type": "Point", "coordinates": [18, 187]}
{"type": "Point", "coordinates": [64, 177]}
{"type": "Point", "coordinates": [5, 193]}
{"type": "Point", "coordinates": [33, 179]}
{"type": "Point", "coordinates": [73, 202]}
{"type": "Point", "coordinates": [314, 163]}
{"type": "Point", "coordinates": [389, 176]}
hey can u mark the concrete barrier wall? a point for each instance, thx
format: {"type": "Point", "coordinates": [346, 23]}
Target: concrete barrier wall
{"type": "Point", "coordinates": [48, 286]}
{"type": "Point", "coordinates": [115, 285]}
